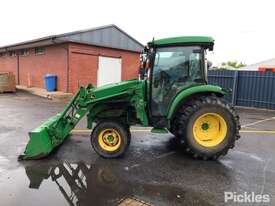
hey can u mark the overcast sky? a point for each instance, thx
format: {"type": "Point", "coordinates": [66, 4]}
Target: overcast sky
{"type": "Point", "coordinates": [244, 30]}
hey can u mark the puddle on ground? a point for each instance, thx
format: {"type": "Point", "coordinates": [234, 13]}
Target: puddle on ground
{"type": "Point", "coordinates": [78, 183]}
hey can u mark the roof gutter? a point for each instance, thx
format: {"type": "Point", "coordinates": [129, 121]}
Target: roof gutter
{"type": "Point", "coordinates": [25, 45]}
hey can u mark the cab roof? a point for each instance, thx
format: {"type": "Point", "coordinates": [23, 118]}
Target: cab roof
{"type": "Point", "coordinates": [184, 40]}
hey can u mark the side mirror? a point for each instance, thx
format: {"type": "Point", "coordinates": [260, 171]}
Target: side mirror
{"type": "Point", "coordinates": [209, 64]}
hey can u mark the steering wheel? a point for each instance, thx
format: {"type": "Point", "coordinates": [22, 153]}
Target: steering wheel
{"type": "Point", "coordinates": [166, 80]}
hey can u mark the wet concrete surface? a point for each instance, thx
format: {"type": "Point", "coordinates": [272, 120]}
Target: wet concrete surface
{"type": "Point", "coordinates": [154, 170]}
{"type": "Point", "coordinates": [257, 119]}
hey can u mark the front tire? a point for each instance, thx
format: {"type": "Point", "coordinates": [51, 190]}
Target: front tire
{"type": "Point", "coordinates": [110, 139]}
{"type": "Point", "coordinates": [208, 127]}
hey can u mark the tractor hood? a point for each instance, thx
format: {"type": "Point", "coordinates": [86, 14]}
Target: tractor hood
{"type": "Point", "coordinates": [114, 89]}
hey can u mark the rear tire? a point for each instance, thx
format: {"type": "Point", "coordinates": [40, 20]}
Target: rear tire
{"type": "Point", "coordinates": [207, 127]}
{"type": "Point", "coordinates": [110, 139]}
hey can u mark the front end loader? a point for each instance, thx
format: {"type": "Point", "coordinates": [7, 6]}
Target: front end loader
{"type": "Point", "coordinates": [171, 95]}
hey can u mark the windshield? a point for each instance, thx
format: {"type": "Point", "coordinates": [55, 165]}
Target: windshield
{"type": "Point", "coordinates": [174, 68]}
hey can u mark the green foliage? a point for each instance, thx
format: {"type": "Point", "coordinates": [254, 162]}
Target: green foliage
{"type": "Point", "coordinates": [232, 64]}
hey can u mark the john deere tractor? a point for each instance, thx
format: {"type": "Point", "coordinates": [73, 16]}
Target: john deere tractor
{"type": "Point", "coordinates": [171, 95]}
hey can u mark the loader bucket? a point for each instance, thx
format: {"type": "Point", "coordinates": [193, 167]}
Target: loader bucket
{"type": "Point", "coordinates": [45, 138]}
{"type": "Point", "coordinates": [41, 141]}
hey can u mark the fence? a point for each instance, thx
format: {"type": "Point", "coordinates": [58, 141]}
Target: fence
{"type": "Point", "coordinates": [249, 88]}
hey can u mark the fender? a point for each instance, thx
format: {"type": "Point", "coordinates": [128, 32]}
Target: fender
{"type": "Point", "coordinates": [182, 95]}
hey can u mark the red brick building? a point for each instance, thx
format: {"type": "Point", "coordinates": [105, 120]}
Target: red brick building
{"type": "Point", "coordinates": [101, 55]}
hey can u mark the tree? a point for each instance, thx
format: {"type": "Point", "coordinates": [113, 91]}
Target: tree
{"type": "Point", "coordinates": [232, 64]}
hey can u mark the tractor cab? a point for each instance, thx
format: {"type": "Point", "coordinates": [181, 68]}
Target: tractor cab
{"type": "Point", "coordinates": [172, 65]}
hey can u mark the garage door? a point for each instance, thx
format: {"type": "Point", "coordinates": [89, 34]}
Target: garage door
{"type": "Point", "coordinates": [109, 70]}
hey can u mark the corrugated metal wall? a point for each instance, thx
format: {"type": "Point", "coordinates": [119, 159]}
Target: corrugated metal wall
{"type": "Point", "coordinates": [249, 88]}
{"type": "Point", "coordinates": [109, 36]}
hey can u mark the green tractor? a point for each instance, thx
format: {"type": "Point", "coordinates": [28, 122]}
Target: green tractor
{"type": "Point", "coordinates": [172, 94]}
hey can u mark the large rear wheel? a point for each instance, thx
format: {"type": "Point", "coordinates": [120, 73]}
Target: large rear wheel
{"type": "Point", "coordinates": [207, 126]}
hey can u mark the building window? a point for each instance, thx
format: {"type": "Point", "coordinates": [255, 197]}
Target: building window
{"type": "Point", "coordinates": [12, 54]}
{"type": "Point", "coordinates": [24, 52]}
{"type": "Point", "coordinates": [39, 50]}
{"type": "Point", "coordinates": [3, 54]}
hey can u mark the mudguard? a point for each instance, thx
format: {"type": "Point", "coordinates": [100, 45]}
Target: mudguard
{"type": "Point", "coordinates": [181, 96]}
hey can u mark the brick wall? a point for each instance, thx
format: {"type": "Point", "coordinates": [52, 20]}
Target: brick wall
{"type": "Point", "coordinates": [32, 68]}
{"type": "Point", "coordinates": [9, 64]}
{"type": "Point", "coordinates": [83, 69]}
{"type": "Point", "coordinates": [84, 64]}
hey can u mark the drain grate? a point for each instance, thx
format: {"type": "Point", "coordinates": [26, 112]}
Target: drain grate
{"type": "Point", "coordinates": [133, 202]}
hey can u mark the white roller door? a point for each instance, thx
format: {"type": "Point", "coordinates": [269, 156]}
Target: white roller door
{"type": "Point", "coordinates": [109, 70]}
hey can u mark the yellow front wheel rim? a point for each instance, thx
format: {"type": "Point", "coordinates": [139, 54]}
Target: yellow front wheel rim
{"type": "Point", "coordinates": [109, 140]}
{"type": "Point", "coordinates": [209, 129]}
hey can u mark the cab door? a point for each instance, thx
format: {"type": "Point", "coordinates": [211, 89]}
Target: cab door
{"type": "Point", "coordinates": [174, 69]}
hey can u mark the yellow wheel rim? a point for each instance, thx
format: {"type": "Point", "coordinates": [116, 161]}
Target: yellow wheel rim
{"type": "Point", "coordinates": [209, 129]}
{"type": "Point", "coordinates": [109, 140]}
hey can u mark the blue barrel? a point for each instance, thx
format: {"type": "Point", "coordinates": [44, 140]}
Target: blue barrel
{"type": "Point", "coordinates": [50, 82]}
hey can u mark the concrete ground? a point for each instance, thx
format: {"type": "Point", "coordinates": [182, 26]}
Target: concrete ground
{"type": "Point", "coordinates": [154, 171]}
